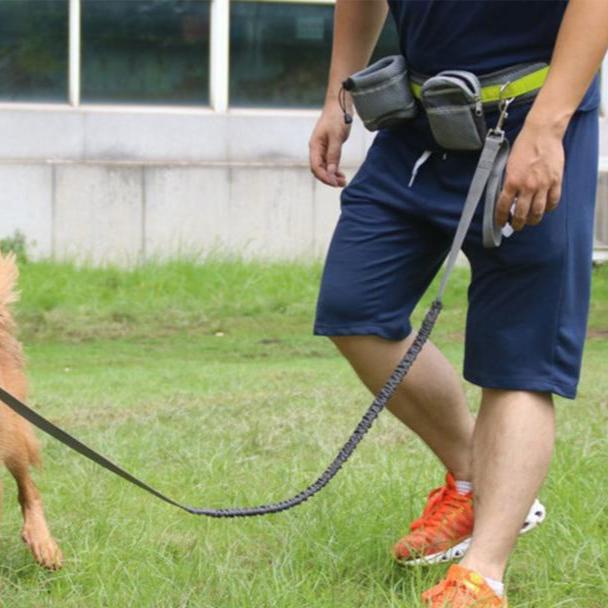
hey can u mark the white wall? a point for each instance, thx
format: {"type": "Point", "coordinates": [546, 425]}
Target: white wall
{"type": "Point", "coordinates": [122, 185]}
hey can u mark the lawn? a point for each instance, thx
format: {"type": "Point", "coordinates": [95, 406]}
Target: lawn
{"type": "Point", "coordinates": [206, 381]}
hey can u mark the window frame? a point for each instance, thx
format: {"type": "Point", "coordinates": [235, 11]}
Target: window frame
{"type": "Point", "coordinates": [74, 49]}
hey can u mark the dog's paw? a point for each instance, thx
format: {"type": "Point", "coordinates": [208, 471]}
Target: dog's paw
{"type": "Point", "coordinates": [44, 548]}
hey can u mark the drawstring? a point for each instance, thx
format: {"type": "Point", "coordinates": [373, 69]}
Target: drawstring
{"type": "Point", "coordinates": [421, 160]}
{"type": "Point", "coordinates": [348, 117]}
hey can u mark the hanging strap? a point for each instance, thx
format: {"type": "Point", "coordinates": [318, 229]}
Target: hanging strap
{"type": "Point", "coordinates": [492, 233]}
{"type": "Point", "coordinates": [495, 147]}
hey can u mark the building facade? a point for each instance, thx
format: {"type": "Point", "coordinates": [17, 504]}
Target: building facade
{"type": "Point", "coordinates": [142, 129]}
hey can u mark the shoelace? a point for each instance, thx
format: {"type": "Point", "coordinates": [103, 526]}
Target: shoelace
{"type": "Point", "coordinates": [439, 502]}
{"type": "Point", "coordinates": [453, 586]}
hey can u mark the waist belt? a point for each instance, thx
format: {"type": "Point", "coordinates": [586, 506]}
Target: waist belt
{"type": "Point", "coordinates": [521, 81]}
{"type": "Point", "coordinates": [387, 94]}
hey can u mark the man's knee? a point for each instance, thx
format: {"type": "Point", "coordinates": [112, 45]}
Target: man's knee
{"type": "Point", "coordinates": [372, 352]}
{"type": "Point", "coordinates": [504, 397]}
{"type": "Point", "coordinates": [351, 345]}
{"type": "Point", "coordinates": [378, 344]}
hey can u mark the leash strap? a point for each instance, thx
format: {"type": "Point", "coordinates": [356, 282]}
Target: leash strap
{"type": "Point", "coordinates": [57, 433]}
{"type": "Point", "coordinates": [494, 150]}
{"type": "Point", "coordinates": [491, 231]}
{"type": "Point", "coordinates": [496, 146]}
{"type": "Point", "coordinates": [330, 472]}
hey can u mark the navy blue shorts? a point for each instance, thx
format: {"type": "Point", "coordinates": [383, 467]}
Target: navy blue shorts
{"type": "Point", "coordinates": [528, 299]}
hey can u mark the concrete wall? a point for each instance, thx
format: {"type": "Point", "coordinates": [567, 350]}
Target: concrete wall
{"type": "Point", "coordinates": [127, 213]}
{"type": "Point", "coordinates": [601, 216]}
{"type": "Point", "coordinates": [123, 185]}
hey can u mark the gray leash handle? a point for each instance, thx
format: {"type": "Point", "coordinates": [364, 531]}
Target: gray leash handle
{"type": "Point", "coordinates": [491, 231]}
{"type": "Point", "coordinates": [495, 148]}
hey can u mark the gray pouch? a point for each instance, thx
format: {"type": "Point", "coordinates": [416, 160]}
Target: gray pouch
{"type": "Point", "coordinates": [381, 93]}
{"type": "Point", "coordinates": [452, 101]}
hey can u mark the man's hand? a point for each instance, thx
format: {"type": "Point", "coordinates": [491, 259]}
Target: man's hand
{"type": "Point", "coordinates": [533, 176]}
{"type": "Point", "coordinates": [535, 168]}
{"type": "Point", "coordinates": [357, 27]}
{"type": "Point", "coordinates": [325, 146]}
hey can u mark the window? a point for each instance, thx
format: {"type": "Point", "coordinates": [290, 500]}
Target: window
{"type": "Point", "coordinates": [159, 51]}
{"type": "Point", "coordinates": [145, 51]}
{"type": "Point", "coordinates": [33, 50]}
{"type": "Point", "coordinates": [280, 52]}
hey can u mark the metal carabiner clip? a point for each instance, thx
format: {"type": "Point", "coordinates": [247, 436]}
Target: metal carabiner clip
{"type": "Point", "coordinates": [503, 106]}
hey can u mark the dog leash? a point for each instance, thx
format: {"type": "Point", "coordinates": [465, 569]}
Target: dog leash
{"type": "Point", "coordinates": [488, 177]}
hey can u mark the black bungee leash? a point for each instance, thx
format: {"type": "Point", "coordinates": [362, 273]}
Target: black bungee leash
{"type": "Point", "coordinates": [488, 178]}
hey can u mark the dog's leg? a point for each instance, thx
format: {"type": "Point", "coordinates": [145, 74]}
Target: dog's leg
{"type": "Point", "coordinates": [18, 446]}
{"type": "Point", "coordinates": [35, 531]}
{"type": "Point", "coordinates": [19, 451]}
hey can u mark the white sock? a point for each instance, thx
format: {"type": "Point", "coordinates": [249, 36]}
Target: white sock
{"type": "Point", "coordinates": [464, 487]}
{"type": "Point", "coordinates": [496, 586]}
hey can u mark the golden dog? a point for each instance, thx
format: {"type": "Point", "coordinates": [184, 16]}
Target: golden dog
{"type": "Point", "coordinates": [18, 446]}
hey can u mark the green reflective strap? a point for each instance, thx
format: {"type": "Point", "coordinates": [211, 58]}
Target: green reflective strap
{"type": "Point", "coordinates": [416, 89]}
{"type": "Point", "coordinates": [521, 86]}
{"type": "Point", "coordinates": [492, 93]}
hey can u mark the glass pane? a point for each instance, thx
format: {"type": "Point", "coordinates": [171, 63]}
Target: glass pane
{"type": "Point", "coordinates": [33, 50]}
{"type": "Point", "coordinates": [145, 51]}
{"type": "Point", "coordinates": [280, 53]}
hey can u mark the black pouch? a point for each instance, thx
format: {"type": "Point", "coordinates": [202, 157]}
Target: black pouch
{"type": "Point", "coordinates": [452, 101]}
{"type": "Point", "coordinates": [381, 93]}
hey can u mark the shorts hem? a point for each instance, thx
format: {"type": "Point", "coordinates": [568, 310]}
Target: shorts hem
{"type": "Point", "coordinates": [363, 330]}
{"type": "Point", "coordinates": [522, 383]}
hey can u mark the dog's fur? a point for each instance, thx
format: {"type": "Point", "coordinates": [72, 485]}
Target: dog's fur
{"type": "Point", "coordinates": [18, 446]}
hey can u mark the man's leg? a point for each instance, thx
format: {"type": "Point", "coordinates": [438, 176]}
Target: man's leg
{"type": "Point", "coordinates": [430, 400]}
{"type": "Point", "coordinates": [526, 326]}
{"type": "Point", "coordinates": [512, 448]}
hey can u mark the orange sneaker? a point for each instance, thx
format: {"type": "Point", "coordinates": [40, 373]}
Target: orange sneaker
{"type": "Point", "coordinates": [462, 588]}
{"type": "Point", "coordinates": [443, 532]}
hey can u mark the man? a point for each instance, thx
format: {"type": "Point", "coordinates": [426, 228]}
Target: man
{"type": "Point", "coordinates": [528, 299]}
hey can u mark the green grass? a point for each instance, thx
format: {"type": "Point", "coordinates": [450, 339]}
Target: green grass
{"type": "Point", "coordinates": [206, 381]}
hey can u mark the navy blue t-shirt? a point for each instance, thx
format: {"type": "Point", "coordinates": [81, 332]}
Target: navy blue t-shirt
{"type": "Point", "coordinates": [480, 35]}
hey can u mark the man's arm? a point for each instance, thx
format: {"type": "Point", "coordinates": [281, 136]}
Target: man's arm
{"type": "Point", "coordinates": [357, 26]}
{"type": "Point", "coordinates": [536, 165]}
